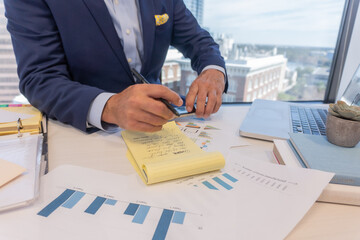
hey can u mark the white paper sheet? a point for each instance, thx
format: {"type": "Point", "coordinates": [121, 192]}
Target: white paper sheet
{"type": "Point", "coordinates": [251, 209]}
{"type": "Point", "coordinates": [7, 116]}
{"type": "Point", "coordinates": [209, 137]}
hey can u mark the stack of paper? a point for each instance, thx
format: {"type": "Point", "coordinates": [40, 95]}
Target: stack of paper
{"type": "Point", "coordinates": [30, 120]}
{"type": "Point", "coordinates": [256, 201]}
{"type": "Point", "coordinates": [168, 154]}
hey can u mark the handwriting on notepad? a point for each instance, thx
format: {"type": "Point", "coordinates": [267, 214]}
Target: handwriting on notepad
{"type": "Point", "coordinates": [160, 145]}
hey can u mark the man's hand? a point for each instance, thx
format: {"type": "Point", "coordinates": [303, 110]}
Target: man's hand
{"type": "Point", "coordinates": [137, 108]}
{"type": "Point", "coordinates": [208, 86]}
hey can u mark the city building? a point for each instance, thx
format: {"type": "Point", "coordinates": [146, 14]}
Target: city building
{"type": "Point", "coordinates": [249, 78]}
{"type": "Point", "coordinates": [289, 80]}
{"type": "Point", "coordinates": [9, 81]}
{"type": "Point", "coordinates": [171, 72]}
{"type": "Point", "coordinates": [171, 75]}
{"type": "Point", "coordinates": [196, 7]}
{"type": "Point", "coordinates": [320, 75]}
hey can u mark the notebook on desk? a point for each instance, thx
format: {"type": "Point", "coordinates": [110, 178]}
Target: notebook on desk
{"type": "Point", "coordinates": [21, 144]}
{"type": "Point", "coordinates": [270, 120]}
{"type": "Point", "coordinates": [23, 151]}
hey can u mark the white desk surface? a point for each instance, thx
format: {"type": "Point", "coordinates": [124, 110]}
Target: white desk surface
{"type": "Point", "coordinates": [103, 151]}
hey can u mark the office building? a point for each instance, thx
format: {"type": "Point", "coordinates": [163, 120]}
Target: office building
{"type": "Point", "coordinates": [171, 75]}
{"type": "Point", "coordinates": [9, 81]}
{"type": "Point", "coordinates": [249, 78]}
{"type": "Point", "coordinates": [196, 7]}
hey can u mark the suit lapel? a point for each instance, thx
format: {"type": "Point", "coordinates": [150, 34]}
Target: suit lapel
{"type": "Point", "coordinates": [103, 19]}
{"type": "Point", "coordinates": [147, 12]}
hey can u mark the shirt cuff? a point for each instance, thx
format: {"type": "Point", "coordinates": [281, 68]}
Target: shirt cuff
{"type": "Point", "coordinates": [95, 111]}
{"type": "Point", "coordinates": [221, 69]}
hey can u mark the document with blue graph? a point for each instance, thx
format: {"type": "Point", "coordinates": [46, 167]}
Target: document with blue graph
{"type": "Point", "coordinates": [80, 203]}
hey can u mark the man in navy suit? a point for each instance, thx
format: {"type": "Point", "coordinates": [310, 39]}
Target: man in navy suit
{"type": "Point", "coordinates": [75, 57]}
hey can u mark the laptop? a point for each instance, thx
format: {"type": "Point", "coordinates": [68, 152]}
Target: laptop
{"type": "Point", "coordinates": [268, 120]}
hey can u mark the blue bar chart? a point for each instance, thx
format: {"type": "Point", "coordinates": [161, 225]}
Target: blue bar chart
{"type": "Point", "coordinates": [68, 199]}
{"type": "Point", "coordinates": [222, 182]}
{"type": "Point", "coordinates": [49, 209]}
{"type": "Point", "coordinates": [95, 205]}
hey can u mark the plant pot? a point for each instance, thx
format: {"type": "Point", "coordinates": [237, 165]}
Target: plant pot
{"type": "Point", "coordinates": [342, 132]}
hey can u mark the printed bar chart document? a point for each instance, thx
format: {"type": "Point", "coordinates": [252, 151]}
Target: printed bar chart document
{"type": "Point", "coordinates": [81, 203]}
{"type": "Point", "coordinates": [168, 154]}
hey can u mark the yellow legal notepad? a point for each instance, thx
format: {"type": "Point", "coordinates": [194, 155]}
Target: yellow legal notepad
{"type": "Point", "coordinates": [30, 120]}
{"type": "Point", "coordinates": [168, 154]}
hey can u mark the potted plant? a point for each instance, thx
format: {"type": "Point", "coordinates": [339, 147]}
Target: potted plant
{"type": "Point", "coordinates": [343, 124]}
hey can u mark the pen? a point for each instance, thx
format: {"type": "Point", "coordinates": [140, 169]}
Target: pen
{"type": "Point", "coordinates": [141, 78]}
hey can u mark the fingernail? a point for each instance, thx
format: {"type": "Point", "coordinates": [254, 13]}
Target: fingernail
{"type": "Point", "coordinates": [188, 109]}
{"type": "Point", "coordinates": [180, 102]}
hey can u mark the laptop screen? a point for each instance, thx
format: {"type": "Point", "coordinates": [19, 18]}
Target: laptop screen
{"type": "Point", "coordinates": [352, 93]}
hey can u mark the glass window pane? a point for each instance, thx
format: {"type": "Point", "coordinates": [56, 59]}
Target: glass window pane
{"type": "Point", "coordinates": [9, 80]}
{"type": "Point", "coordinates": [273, 49]}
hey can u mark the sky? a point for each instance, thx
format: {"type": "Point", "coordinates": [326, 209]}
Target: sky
{"type": "Point", "coordinates": [279, 22]}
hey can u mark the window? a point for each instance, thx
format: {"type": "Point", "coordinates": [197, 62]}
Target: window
{"type": "Point", "coordinates": [256, 84]}
{"type": "Point", "coordinates": [270, 37]}
{"type": "Point", "coordinates": [233, 86]}
{"type": "Point", "coordinates": [292, 42]}
{"type": "Point", "coordinates": [249, 85]}
{"type": "Point", "coordinates": [248, 97]}
{"type": "Point", "coordinates": [283, 44]}
{"type": "Point", "coordinates": [254, 95]}
{"type": "Point", "coordinates": [9, 80]}
{"type": "Point", "coordinates": [170, 73]}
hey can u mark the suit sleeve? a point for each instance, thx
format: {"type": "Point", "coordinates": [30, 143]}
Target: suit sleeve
{"type": "Point", "coordinates": [193, 41]}
{"type": "Point", "coordinates": [42, 68]}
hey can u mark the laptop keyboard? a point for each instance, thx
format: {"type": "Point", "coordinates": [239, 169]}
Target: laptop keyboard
{"type": "Point", "coordinates": [308, 120]}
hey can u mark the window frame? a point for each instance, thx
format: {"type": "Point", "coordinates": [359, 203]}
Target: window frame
{"type": "Point", "coordinates": [341, 49]}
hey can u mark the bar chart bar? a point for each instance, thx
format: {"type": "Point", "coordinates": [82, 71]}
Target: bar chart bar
{"type": "Point", "coordinates": [51, 207]}
{"type": "Point", "coordinates": [178, 217]}
{"type": "Point", "coordinates": [111, 202]}
{"type": "Point", "coordinates": [131, 209]}
{"type": "Point", "coordinates": [209, 185]}
{"type": "Point", "coordinates": [222, 183]}
{"type": "Point", "coordinates": [231, 178]}
{"type": "Point", "coordinates": [141, 214]}
{"type": "Point", "coordinates": [95, 205]}
{"type": "Point", "coordinates": [163, 225]}
{"type": "Point", "coordinates": [73, 200]}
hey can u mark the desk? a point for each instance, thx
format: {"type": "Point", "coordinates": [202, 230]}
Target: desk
{"type": "Point", "coordinates": [103, 151]}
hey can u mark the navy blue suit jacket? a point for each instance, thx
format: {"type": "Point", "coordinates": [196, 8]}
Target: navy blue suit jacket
{"type": "Point", "coordinates": [68, 51]}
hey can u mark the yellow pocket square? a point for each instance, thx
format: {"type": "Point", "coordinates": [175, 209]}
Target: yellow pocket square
{"type": "Point", "coordinates": [161, 19]}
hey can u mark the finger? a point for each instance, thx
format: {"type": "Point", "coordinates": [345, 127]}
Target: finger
{"type": "Point", "coordinates": [218, 102]}
{"type": "Point", "coordinates": [158, 108]}
{"type": "Point", "coordinates": [190, 97]}
{"type": "Point", "coordinates": [159, 91]}
{"type": "Point", "coordinates": [209, 109]}
{"type": "Point", "coordinates": [150, 118]}
{"type": "Point", "coordinates": [200, 103]}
